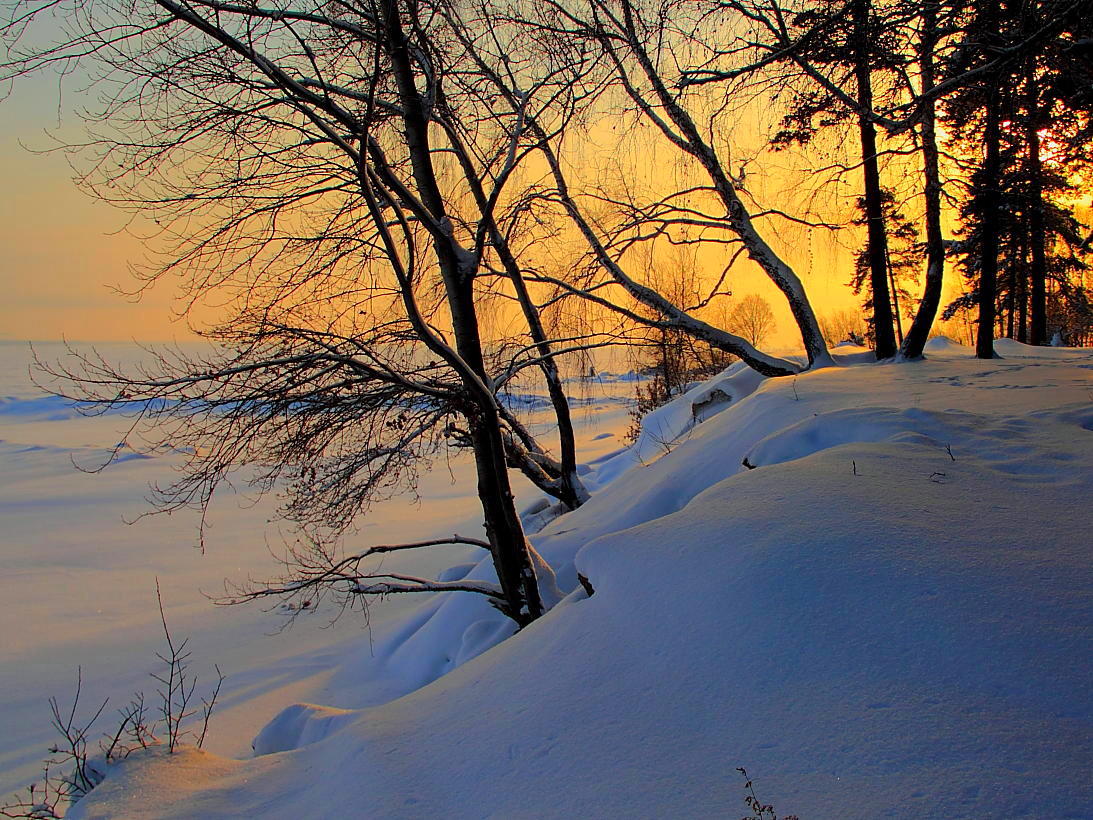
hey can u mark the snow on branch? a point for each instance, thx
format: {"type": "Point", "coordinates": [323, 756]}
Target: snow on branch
{"type": "Point", "coordinates": [411, 584]}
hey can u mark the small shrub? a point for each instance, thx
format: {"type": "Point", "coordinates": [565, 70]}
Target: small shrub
{"type": "Point", "coordinates": [758, 809]}
{"type": "Point", "coordinates": [81, 770]}
{"type": "Point", "coordinates": [647, 398]}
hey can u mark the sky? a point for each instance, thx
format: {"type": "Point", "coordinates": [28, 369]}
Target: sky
{"type": "Point", "coordinates": [64, 256]}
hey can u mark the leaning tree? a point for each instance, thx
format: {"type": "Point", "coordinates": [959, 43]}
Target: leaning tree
{"type": "Point", "coordinates": [339, 177]}
{"type": "Point", "coordinates": [618, 51]}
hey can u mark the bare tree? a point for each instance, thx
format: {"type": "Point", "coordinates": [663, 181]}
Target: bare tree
{"type": "Point", "coordinates": [608, 52]}
{"type": "Point", "coordinates": [637, 41]}
{"type": "Point", "coordinates": [831, 63]}
{"type": "Point", "coordinates": [752, 318]}
{"type": "Point", "coordinates": [338, 177]}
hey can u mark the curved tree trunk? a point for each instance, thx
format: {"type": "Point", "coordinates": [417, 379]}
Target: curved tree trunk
{"type": "Point", "coordinates": [915, 340]}
{"type": "Point", "coordinates": [569, 489]}
{"type": "Point", "coordinates": [690, 140]}
{"type": "Point", "coordinates": [720, 339]}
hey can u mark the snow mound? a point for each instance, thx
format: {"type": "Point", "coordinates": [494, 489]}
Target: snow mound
{"type": "Point", "coordinates": [186, 773]}
{"type": "Point", "coordinates": [300, 725]}
{"type": "Point", "coordinates": [662, 428]}
{"type": "Point", "coordinates": [943, 344]}
{"type": "Point", "coordinates": [1011, 347]}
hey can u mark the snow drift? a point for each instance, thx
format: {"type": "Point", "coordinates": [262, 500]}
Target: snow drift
{"type": "Point", "coordinates": [890, 615]}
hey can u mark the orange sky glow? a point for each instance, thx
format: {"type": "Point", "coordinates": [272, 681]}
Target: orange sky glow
{"type": "Point", "coordinates": [64, 256]}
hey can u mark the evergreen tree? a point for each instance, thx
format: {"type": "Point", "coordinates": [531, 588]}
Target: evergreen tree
{"type": "Point", "coordinates": [1021, 236]}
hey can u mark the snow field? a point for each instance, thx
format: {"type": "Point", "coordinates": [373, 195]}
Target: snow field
{"type": "Point", "coordinates": [891, 615]}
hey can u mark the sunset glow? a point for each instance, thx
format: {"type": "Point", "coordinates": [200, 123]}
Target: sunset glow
{"type": "Point", "coordinates": [546, 409]}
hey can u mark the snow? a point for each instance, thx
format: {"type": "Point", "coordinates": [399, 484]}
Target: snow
{"type": "Point", "coordinates": [79, 583]}
{"type": "Point", "coordinates": [891, 615]}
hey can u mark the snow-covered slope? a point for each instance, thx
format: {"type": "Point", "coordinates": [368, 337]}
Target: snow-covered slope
{"type": "Point", "coordinates": [78, 582]}
{"type": "Point", "coordinates": [891, 615]}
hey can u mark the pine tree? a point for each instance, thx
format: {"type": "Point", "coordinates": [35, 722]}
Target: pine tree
{"type": "Point", "coordinates": [1021, 236]}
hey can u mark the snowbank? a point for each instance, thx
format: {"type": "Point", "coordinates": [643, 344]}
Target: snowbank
{"type": "Point", "coordinates": [889, 615]}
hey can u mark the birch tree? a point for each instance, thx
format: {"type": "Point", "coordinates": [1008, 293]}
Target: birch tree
{"type": "Point", "coordinates": [631, 42]}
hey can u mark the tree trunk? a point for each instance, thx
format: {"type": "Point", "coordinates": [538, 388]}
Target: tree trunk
{"type": "Point", "coordinates": [508, 545]}
{"type": "Point", "coordinates": [989, 224]}
{"type": "Point", "coordinates": [916, 337]}
{"type": "Point", "coordinates": [737, 213]}
{"type": "Point", "coordinates": [1037, 229]}
{"type": "Point", "coordinates": [571, 490]}
{"type": "Point", "coordinates": [1022, 310]}
{"type": "Point", "coordinates": [1011, 310]}
{"type": "Point", "coordinates": [877, 250]}
{"type": "Point", "coordinates": [895, 297]}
